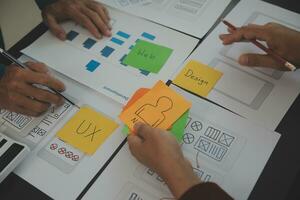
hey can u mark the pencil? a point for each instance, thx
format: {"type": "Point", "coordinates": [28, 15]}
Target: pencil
{"type": "Point", "coordinates": [18, 63]}
{"type": "Point", "coordinates": [278, 58]}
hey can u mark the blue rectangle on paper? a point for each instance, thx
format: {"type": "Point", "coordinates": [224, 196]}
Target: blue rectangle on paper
{"type": "Point", "coordinates": [92, 65]}
{"type": "Point", "coordinates": [148, 36]}
{"type": "Point", "coordinates": [89, 43]}
{"type": "Point", "coordinates": [123, 34]}
{"type": "Point", "coordinates": [107, 51]}
{"type": "Point", "coordinates": [72, 35]}
{"type": "Point", "coordinates": [117, 41]}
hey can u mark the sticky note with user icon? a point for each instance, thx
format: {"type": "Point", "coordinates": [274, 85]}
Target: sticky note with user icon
{"type": "Point", "coordinates": [159, 108]}
{"type": "Point", "coordinates": [177, 128]}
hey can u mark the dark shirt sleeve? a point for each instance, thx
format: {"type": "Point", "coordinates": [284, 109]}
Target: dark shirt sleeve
{"type": "Point", "coordinates": [43, 3]}
{"type": "Point", "coordinates": [205, 191]}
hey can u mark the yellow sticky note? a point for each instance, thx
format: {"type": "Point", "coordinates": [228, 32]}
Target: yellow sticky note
{"type": "Point", "coordinates": [159, 108]}
{"type": "Point", "coordinates": [198, 78]}
{"type": "Point", "coordinates": [87, 130]}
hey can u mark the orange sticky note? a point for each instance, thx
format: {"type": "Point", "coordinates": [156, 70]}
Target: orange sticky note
{"type": "Point", "coordinates": [198, 78]}
{"type": "Point", "coordinates": [159, 108]}
{"type": "Point", "coordinates": [136, 96]}
{"type": "Point", "coordinates": [87, 130]}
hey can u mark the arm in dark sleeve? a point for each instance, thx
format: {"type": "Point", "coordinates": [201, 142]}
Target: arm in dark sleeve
{"type": "Point", "coordinates": [205, 191]}
{"type": "Point", "coordinates": [43, 3]}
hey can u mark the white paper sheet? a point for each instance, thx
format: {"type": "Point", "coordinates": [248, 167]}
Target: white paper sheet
{"type": "Point", "coordinates": [259, 94]}
{"type": "Point", "coordinates": [194, 17]}
{"type": "Point", "coordinates": [111, 78]}
{"type": "Point", "coordinates": [57, 175]}
{"type": "Point", "coordinates": [240, 152]}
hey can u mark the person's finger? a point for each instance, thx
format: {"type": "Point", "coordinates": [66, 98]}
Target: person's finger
{"type": "Point", "coordinates": [245, 33]}
{"type": "Point", "coordinates": [37, 67]}
{"type": "Point", "coordinates": [54, 27]}
{"type": "Point", "coordinates": [259, 60]}
{"type": "Point", "coordinates": [41, 95]}
{"type": "Point", "coordinates": [135, 145]}
{"type": "Point", "coordinates": [142, 130]}
{"type": "Point", "coordinates": [45, 80]}
{"type": "Point", "coordinates": [23, 111]}
{"type": "Point", "coordinates": [97, 20]}
{"type": "Point", "coordinates": [85, 21]}
{"type": "Point", "coordinates": [100, 10]}
{"type": "Point", "coordinates": [30, 104]}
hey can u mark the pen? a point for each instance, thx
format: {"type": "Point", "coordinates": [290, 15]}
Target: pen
{"type": "Point", "coordinates": [278, 58]}
{"type": "Point", "coordinates": [14, 60]}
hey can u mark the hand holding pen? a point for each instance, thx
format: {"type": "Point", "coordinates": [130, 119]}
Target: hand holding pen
{"type": "Point", "coordinates": [283, 45]}
{"type": "Point", "coordinates": [19, 93]}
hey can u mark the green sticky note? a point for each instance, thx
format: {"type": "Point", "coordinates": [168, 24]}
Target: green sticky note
{"type": "Point", "coordinates": [125, 130]}
{"type": "Point", "coordinates": [177, 129]}
{"type": "Point", "coordinates": [179, 126]}
{"type": "Point", "coordinates": [148, 56]}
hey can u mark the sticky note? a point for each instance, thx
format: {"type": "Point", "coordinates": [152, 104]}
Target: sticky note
{"type": "Point", "coordinates": [159, 108]}
{"type": "Point", "coordinates": [87, 130]}
{"type": "Point", "coordinates": [148, 56]}
{"type": "Point", "coordinates": [198, 78]}
{"type": "Point", "coordinates": [136, 96]}
{"type": "Point", "coordinates": [177, 129]}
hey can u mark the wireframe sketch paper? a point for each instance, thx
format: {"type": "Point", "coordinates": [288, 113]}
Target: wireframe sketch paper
{"type": "Point", "coordinates": [221, 146]}
{"type": "Point", "coordinates": [55, 167]}
{"type": "Point", "coordinates": [189, 16]}
{"type": "Point", "coordinates": [259, 94]}
{"type": "Point", "coordinates": [99, 64]}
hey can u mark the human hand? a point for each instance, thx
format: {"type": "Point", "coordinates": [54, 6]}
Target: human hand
{"type": "Point", "coordinates": [18, 94]}
{"type": "Point", "coordinates": [282, 40]}
{"type": "Point", "coordinates": [159, 150]}
{"type": "Point", "coordinates": [88, 13]}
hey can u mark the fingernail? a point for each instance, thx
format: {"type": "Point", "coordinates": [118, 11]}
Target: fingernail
{"type": "Point", "coordinates": [98, 36]}
{"type": "Point", "coordinates": [61, 102]}
{"type": "Point", "coordinates": [108, 33]}
{"type": "Point", "coordinates": [62, 36]}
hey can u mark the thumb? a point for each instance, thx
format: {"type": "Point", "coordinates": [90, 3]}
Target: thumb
{"type": "Point", "coordinates": [135, 144]}
{"type": "Point", "coordinates": [260, 60]}
{"type": "Point", "coordinates": [54, 27]}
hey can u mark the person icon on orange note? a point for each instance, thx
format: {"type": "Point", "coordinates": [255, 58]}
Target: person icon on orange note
{"type": "Point", "coordinates": [154, 115]}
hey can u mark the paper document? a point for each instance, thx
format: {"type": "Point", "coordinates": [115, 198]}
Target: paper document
{"type": "Point", "coordinates": [57, 167]}
{"type": "Point", "coordinates": [259, 94]}
{"type": "Point", "coordinates": [99, 64]}
{"type": "Point", "coordinates": [221, 146]}
{"type": "Point", "coordinates": [194, 17]}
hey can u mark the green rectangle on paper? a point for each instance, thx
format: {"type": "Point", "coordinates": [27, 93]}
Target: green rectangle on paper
{"type": "Point", "coordinates": [148, 56]}
{"type": "Point", "coordinates": [177, 129]}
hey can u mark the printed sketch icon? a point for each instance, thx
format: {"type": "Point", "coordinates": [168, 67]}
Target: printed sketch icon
{"type": "Point", "coordinates": [188, 138]}
{"type": "Point", "coordinates": [196, 126]}
{"type": "Point", "coordinates": [226, 139]}
{"type": "Point", "coordinates": [159, 110]}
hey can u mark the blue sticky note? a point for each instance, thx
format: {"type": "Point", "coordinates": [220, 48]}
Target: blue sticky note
{"type": "Point", "coordinates": [72, 35]}
{"type": "Point", "coordinates": [148, 36]}
{"type": "Point", "coordinates": [107, 51]}
{"type": "Point", "coordinates": [123, 34]}
{"type": "Point", "coordinates": [117, 41]}
{"type": "Point", "coordinates": [89, 43]}
{"type": "Point", "coordinates": [92, 65]}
